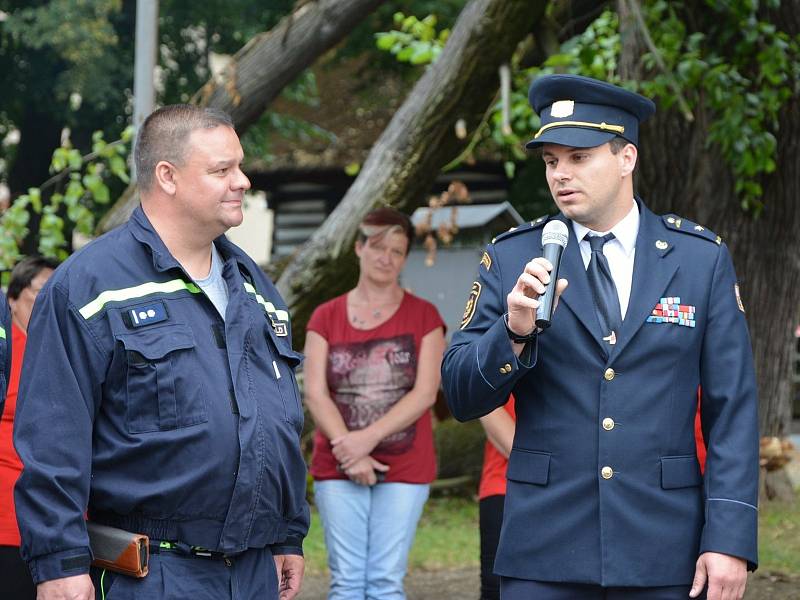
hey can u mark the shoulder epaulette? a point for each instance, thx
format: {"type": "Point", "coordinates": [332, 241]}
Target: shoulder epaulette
{"type": "Point", "coordinates": [535, 224]}
{"type": "Point", "coordinates": [676, 223]}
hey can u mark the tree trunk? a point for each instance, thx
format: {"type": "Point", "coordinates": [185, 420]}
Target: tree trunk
{"type": "Point", "coordinates": [263, 67]}
{"type": "Point", "coordinates": [764, 249]}
{"type": "Point", "coordinates": [418, 141]}
{"type": "Point", "coordinates": [273, 59]}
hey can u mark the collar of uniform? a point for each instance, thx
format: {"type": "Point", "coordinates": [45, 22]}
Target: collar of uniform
{"type": "Point", "coordinates": [143, 230]}
{"type": "Point", "coordinates": [625, 231]}
{"type": "Point", "coordinates": [229, 250]}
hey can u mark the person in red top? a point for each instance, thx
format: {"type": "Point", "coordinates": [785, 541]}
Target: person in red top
{"type": "Point", "coordinates": [371, 377]}
{"type": "Point", "coordinates": [499, 426]}
{"type": "Point", "coordinates": [27, 279]}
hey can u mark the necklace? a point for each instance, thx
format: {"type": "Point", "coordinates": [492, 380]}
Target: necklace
{"type": "Point", "coordinates": [376, 311]}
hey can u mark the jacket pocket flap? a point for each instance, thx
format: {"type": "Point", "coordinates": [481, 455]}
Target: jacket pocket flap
{"type": "Point", "coordinates": [679, 472]}
{"type": "Point", "coordinates": [156, 343]}
{"type": "Point", "coordinates": [285, 349]}
{"type": "Point", "coordinates": [529, 466]}
{"type": "Point", "coordinates": [290, 356]}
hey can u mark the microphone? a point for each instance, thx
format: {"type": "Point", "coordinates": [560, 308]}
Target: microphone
{"type": "Point", "coordinates": [554, 240]}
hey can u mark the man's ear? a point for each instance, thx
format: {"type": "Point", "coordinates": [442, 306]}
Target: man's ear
{"type": "Point", "coordinates": [628, 157]}
{"type": "Point", "coordinates": [165, 177]}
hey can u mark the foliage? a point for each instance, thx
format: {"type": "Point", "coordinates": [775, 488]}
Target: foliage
{"type": "Point", "coordinates": [593, 53]}
{"type": "Point", "coordinates": [362, 40]}
{"type": "Point", "coordinates": [730, 56]}
{"type": "Point", "coordinates": [744, 79]}
{"type": "Point", "coordinates": [81, 183]}
{"type": "Point", "coordinates": [79, 33]}
{"type": "Point", "coordinates": [256, 141]}
{"type": "Point", "coordinates": [415, 41]}
{"type": "Point", "coordinates": [745, 69]}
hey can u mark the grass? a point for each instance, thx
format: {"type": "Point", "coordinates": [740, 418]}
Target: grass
{"type": "Point", "coordinates": [779, 538]}
{"type": "Point", "coordinates": [447, 537]}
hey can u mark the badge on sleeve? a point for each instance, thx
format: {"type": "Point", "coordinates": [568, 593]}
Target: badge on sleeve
{"type": "Point", "coordinates": [486, 261]}
{"type": "Point", "coordinates": [738, 296]}
{"type": "Point", "coordinates": [472, 304]}
{"type": "Point", "coordinates": [145, 314]}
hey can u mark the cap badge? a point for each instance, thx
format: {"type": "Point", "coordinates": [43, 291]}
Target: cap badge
{"type": "Point", "coordinates": [562, 108]}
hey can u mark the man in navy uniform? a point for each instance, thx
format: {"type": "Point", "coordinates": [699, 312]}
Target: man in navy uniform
{"type": "Point", "coordinates": [159, 392]}
{"type": "Point", "coordinates": [605, 495]}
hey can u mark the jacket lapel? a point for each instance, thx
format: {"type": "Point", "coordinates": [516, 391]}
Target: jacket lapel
{"type": "Point", "coordinates": [578, 295]}
{"type": "Point", "coordinates": [653, 269]}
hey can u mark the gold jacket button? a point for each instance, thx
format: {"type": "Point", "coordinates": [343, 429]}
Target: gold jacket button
{"type": "Point", "coordinates": [609, 374]}
{"type": "Point", "coordinates": [608, 424]}
{"type": "Point", "coordinates": [506, 368]}
{"type": "Point", "coordinates": [607, 472]}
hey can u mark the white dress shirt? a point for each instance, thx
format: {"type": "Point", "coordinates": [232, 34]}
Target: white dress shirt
{"type": "Point", "coordinates": [619, 252]}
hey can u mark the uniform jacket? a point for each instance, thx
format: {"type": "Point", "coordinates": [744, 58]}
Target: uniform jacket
{"type": "Point", "coordinates": [5, 348]}
{"type": "Point", "coordinates": [604, 486]}
{"type": "Point", "coordinates": [139, 402]}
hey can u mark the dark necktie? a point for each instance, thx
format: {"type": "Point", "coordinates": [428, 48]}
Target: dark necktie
{"type": "Point", "coordinates": [606, 300]}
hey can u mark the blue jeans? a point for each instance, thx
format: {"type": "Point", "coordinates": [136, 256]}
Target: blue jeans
{"type": "Point", "coordinates": [368, 534]}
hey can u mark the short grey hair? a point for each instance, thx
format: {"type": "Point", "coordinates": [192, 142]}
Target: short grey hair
{"type": "Point", "coordinates": [164, 136]}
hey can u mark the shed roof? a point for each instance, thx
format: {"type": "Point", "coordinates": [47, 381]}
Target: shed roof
{"type": "Point", "coordinates": [470, 216]}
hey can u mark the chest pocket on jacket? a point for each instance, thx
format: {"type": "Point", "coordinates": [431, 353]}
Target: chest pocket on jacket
{"type": "Point", "coordinates": [284, 361]}
{"type": "Point", "coordinates": [164, 390]}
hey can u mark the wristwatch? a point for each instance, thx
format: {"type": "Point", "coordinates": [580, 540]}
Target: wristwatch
{"type": "Point", "coordinates": [517, 338]}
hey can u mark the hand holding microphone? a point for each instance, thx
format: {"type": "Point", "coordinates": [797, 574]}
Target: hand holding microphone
{"type": "Point", "coordinates": [532, 300]}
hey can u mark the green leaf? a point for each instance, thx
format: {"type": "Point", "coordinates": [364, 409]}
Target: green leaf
{"type": "Point", "coordinates": [119, 168]}
{"type": "Point", "coordinates": [385, 40]}
{"type": "Point", "coordinates": [74, 159]}
{"type": "Point", "coordinates": [405, 54]}
{"type": "Point", "coordinates": [35, 199]}
{"type": "Point", "coordinates": [59, 161]}
{"type": "Point", "coordinates": [421, 55]}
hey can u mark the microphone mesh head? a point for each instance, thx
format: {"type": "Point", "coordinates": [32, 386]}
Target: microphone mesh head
{"type": "Point", "coordinates": [555, 232]}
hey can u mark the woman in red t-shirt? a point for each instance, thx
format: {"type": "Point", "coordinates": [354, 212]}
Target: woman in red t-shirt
{"type": "Point", "coordinates": [27, 279]}
{"type": "Point", "coordinates": [371, 376]}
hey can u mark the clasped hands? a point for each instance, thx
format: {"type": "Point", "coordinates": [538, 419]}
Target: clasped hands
{"type": "Point", "coordinates": [352, 450]}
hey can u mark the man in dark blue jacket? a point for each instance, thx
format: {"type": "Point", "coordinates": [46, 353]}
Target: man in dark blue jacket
{"type": "Point", "coordinates": [605, 497]}
{"type": "Point", "coordinates": [159, 393]}
{"type": "Point", "coordinates": [5, 348]}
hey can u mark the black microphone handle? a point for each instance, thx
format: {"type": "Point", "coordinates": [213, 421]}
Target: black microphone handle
{"type": "Point", "coordinates": [544, 314]}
